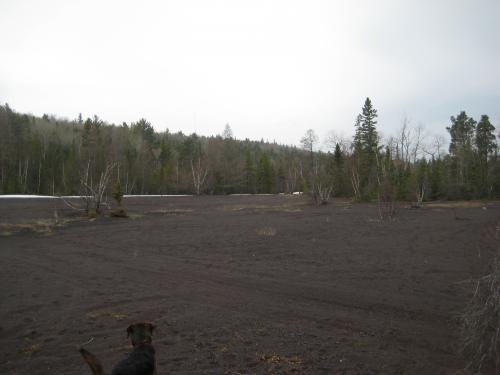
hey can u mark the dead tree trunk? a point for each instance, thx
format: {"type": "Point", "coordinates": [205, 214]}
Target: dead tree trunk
{"type": "Point", "coordinates": [420, 193]}
{"type": "Point", "coordinates": [355, 181]}
{"type": "Point", "coordinates": [322, 193]}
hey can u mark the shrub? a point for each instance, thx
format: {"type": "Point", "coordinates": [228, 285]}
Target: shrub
{"type": "Point", "coordinates": [481, 323]}
{"type": "Point", "coordinates": [118, 193]}
{"type": "Point", "coordinates": [120, 212]}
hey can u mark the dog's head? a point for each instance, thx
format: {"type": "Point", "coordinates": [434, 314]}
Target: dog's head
{"type": "Point", "coordinates": [140, 333]}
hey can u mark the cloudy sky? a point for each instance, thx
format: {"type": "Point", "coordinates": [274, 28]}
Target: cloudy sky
{"type": "Point", "coordinates": [271, 69]}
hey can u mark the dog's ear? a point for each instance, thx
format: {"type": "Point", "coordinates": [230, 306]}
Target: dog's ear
{"type": "Point", "coordinates": [130, 330]}
{"type": "Point", "coordinates": [151, 327]}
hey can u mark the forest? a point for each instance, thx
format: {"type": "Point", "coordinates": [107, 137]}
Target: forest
{"type": "Point", "coordinates": [50, 155]}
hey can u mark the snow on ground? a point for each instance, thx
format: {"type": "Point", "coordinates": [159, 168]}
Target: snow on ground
{"type": "Point", "coordinates": [23, 196]}
{"type": "Point", "coordinates": [166, 195]}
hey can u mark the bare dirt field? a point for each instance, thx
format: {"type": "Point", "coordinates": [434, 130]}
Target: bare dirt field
{"type": "Point", "coordinates": [240, 285]}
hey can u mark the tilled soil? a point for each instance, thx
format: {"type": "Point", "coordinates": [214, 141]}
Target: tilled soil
{"type": "Point", "coordinates": [240, 285]}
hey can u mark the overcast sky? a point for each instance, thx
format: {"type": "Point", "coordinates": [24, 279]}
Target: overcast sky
{"type": "Point", "coordinates": [271, 69]}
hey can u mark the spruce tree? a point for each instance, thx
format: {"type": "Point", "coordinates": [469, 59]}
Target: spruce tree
{"type": "Point", "coordinates": [265, 175]}
{"type": "Point", "coordinates": [366, 148]}
{"type": "Point", "coordinates": [338, 170]}
{"type": "Point", "coordinates": [369, 135]}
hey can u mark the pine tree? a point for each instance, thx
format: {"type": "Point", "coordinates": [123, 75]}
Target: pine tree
{"type": "Point", "coordinates": [462, 133]}
{"type": "Point", "coordinates": [485, 142]}
{"type": "Point", "coordinates": [462, 139]}
{"type": "Point", "coordinates": [485, 138]}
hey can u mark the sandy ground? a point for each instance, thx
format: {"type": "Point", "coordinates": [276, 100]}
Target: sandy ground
{"type": "Point", "coordinates": [240, 285]}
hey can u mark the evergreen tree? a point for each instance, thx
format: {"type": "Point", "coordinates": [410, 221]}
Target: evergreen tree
{"type": "Point", "coordinates": [49, 155]}
{"type": "Point", "coordinates": [462, 139]}
{"type": "Point", "coordinates": [436, 171]}
{"type": "Point", "coordinates": [165, 157]}
{"type": "Point", "coordinates": [369, 135]}
{"type": "Point", "coordinates": [485, 138]}
{"type": "Point", "coordinates": [366, 149]}
{"type": "Point", "coordinates": [357, 142]}
{"type": "Point", "coordinates": [485, 145]}
{"type": "Point", "coordinates": [249, 173]}
{"type": "Point", "coordinates": [338, 171]}
{"type": "Point", "coordinates": [461, 133]}
{"type": "Point", "coordinates": [265, 175]}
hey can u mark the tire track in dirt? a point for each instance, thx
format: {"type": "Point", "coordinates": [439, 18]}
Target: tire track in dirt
{"type": "Point", "coordinates": [252, 289]}
{"type": "Point", "coordinates": [377, 298]}
{"type": "Point", "coordinates": [287, 289]}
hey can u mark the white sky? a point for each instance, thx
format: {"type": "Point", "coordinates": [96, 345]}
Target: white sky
{"type": "Point", "coordinates": [271, 69]}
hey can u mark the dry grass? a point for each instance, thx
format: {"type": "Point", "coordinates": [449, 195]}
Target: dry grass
{"type": "Point", "coordinates": [174, 211]}
{"type": "Point", "coordinates": [30, 349]}
{"type": "Point", "coordinates": [135, 216]}
{"type": "Point", "coordinates": [264, 208]}
{"type": "Point", "coordinates": [98, 314]}
{"type": "Point", "coordinates": [41, 226]}
{"type": "Point", "coordinates": [266, 231]}
{"type": "Point", "coordinates": [481, 323]}
{"type": "Point", "coordinates": [455, 204]}
{"type": "Point", "coordinates": [281, 364]}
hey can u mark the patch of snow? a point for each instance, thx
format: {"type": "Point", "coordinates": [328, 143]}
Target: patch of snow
{"type": "Point", "coordinates": [31, 196]}
{"type": "Point", "coordinates": [166, 195]}
{"type": "Point", "coordinates": [26, 196]}
{"type": "Point", "coordinates": [243, 194]}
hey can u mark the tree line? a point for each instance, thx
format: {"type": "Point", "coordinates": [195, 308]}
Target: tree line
{"type": "Point", "coordinates": [49, 155]}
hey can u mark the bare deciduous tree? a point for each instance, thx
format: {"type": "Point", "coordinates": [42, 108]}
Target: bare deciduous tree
{"type": "Point", "coordinates": [333, 138]}
{"type": "Point", "coordinates": [93, 192]}
{"type": "Point", "coordinates": [228, 132]}
{"type": "Point", "coordinates": [434, 149]}
{"type": "Point", "coordinates": [386, 196]}
{"type": "Point", "coordinates": [410, 142]}
{"type": "Point", "coordinates": [294, 176]}
{"type": "Point", "coordinates": [322, 193]}
{"type": "Point", "coordinates": [355, 178]}
{"type": "Point", "coordinates": [199, 173]}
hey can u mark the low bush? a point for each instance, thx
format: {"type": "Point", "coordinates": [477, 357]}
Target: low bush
{"type": "Point", "coordinates": [120, 212]}
{"type": "Point", "coordinates": [481, 323]}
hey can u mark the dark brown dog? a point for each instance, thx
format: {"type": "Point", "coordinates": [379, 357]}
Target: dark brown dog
{"type": "Point", "coordinates": [141, 361]}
